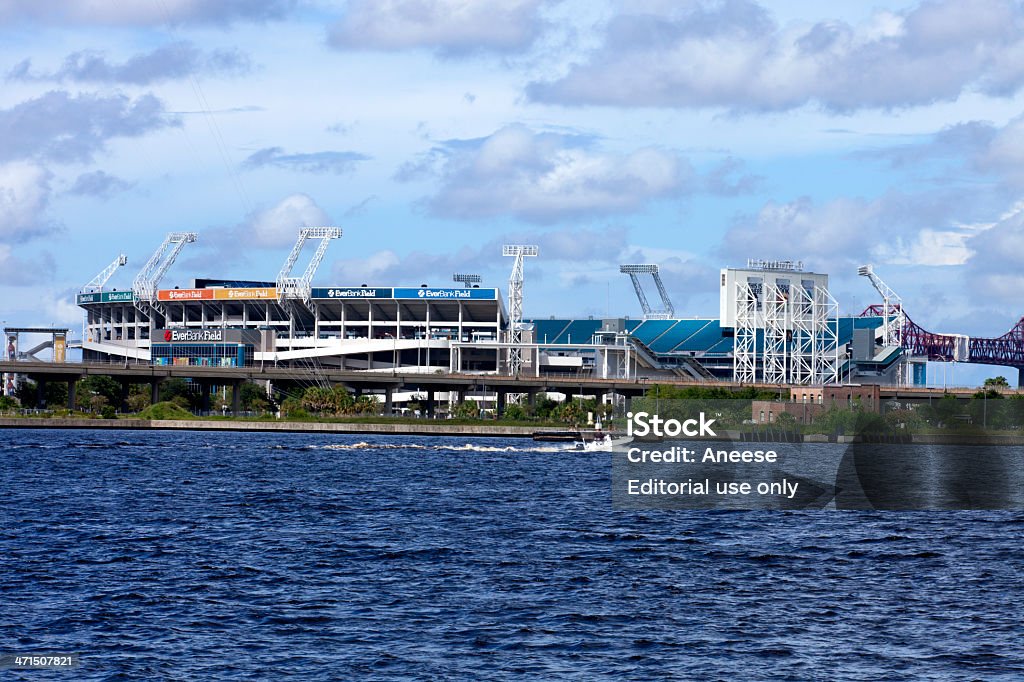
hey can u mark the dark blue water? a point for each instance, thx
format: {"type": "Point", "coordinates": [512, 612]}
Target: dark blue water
{"type": "Point", "coordinates": [282, 556]}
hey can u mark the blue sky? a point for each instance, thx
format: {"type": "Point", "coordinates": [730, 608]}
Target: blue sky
{"type": "Point", "coordinates": [691, 134]}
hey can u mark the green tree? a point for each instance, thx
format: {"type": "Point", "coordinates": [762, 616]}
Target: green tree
{"type": "Point", "coordinates": [319, 400]}
{"type": "Point", "coordinates": [25, 392]}
{"type": "Point", "coordinates": [910, 419]}
{"type": "Point", "coordinates": [179, 392]}
{"type": "Point", "coordinates": [343, 401]}
{"type": "Point", "coordinates": [253, 397]}
{"type": "Point", "coordinates": [364, 405]}
{"type": "Point", "coordinates": [138, 401]}
{"type": "Point", "coordinates": [997, 381]}
{"type": "Point", "coordinates": [97, 403]}
{"type": "Point", "coordinates": [544, 407]}
{"type": "Point", "coordinates": [108, 387]}
{"type": "Point", "coordinates": [570, 412]}
{"type": "Point", "coordinates": [55, 394]}
{"type": "Point", "coordinates": [785, 421]}
{"type": "Point", "coordinates": [835, 420]}
{"type": "Point", "coordinates": [944, 411]}
{"type": "Point", "coordinates": [1013, 411]}
{"type": "Point", "coordinates": [291, 408]}
{"type": "Point", "coordinates": [515, 413]}
{"type": "Point", "coordinates": [467, 409]}
{"type": "Point", "coordinates": [986, 410]}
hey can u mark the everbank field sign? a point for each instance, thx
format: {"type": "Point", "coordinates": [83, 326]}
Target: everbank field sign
{"type": "Point", "coordinates": [192, 335]}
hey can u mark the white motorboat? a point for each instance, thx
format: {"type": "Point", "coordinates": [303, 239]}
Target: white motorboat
{"type": "Point", "coordinates": [600, 441]}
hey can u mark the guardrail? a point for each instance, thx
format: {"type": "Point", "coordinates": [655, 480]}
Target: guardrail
{"type": "Point", "coordinates": [270, 371]}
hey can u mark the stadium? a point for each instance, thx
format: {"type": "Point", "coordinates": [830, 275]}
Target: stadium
{"type": "Point", "coordinates": [777, 324]}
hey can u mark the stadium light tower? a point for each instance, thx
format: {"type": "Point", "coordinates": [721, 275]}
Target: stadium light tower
{"type": "Point", "coordinates": [468, 280]}
{"type": "Point", "coordinates": [145, 283]}
{"type": "Point", "coordinates": [667, 309]}
{"type": "Point", "coordinates": [515, 301]}
{"type": "Point", "coordinates": [300, 287]}
{"type": "Point", "coordinates": [892, 307]}
{"type": "Point", "coordinates": [99, 281]}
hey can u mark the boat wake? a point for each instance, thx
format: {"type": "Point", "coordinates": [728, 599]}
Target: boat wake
{"type": "Point", "coordinates": [468, 447]}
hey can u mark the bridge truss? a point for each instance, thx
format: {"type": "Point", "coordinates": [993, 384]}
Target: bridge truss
{"type": "Point", "coordinates": [1007, 350]}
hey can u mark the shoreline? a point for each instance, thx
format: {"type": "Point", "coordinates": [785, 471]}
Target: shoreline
{"type": "Point", "coordinates": [404, 429]}
{"type": "Point", "coordinates": [439, 429]}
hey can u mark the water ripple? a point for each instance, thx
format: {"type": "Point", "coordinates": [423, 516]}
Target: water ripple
{"type": "Point", "coordinates": [237, 556]}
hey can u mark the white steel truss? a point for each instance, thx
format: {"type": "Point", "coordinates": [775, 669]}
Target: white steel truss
{"type": "Point", "coordinates": [892, 307]}
{"type": "Point", "coordinates": [801, 349]}
{"type": "Point", "coordinates": [300, 287]}
{"type": "Point", "coordinates": [799, 331]}
{"type": "Point", "coordinates": [515, 302]}
{"type": "Point", "coordinates": [744, 356]}
{"type": "Point", "coordinates": [99, 281]}
{"type": "Point", "coordinates": [773, 354]}
{"type": "Point", "coordinates": [145, 283]}
{"type": "Point", "coordinates": [667, 311]}
{"type": "Point", "coordinates": [826, 337]}
{"type": "Point", "coordinates": [893, 319]}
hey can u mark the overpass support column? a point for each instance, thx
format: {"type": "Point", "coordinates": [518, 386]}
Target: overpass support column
{"type": "Point", "coordinates": [502, 395]}
{"type": "Point", "coordinates": [531, 397]}
{"type": "Point", "coordinates": [430, 404]}
{"type": "Point", "coordinates": [389, 394]}
{"type": "Point", "coordinates": [72, 383]}
{"type": "Point", "coordinates": [154, 391]}
{"type": "Point", "coordinates": [1020, 377]}
{"type": "Point", "coordinates": [236, 397]}
{"type": "Point", "coordinates": [40, 391]}
{"type": "Point", "coordinates": [123, 407]}
{"type": "Point", "coordinates": [204, 389]}
{"type": "Point", "coordinates": [610, 400]}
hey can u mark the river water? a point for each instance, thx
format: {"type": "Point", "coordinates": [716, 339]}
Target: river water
{"type": "Point", "coordinates": [184, 555]}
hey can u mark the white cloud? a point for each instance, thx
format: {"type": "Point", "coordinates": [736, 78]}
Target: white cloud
{"type": "Point", "coordinates": [24, 197]}
{"type": "Point", "coordinates": [548, 177]}
{"type": "Point", "coordinates": [995, 267]}
{"type": "Point", "coordinates": [99, 184]}
{"type": "Point", "coordinates": [1004, 153]}
{"type": "Point", "coordinates": [60, 308]}
{"type": "Point", "coordinates": [143, 12]}
{"type": "Point", "coordinates": [338, 163]}
{"type": "Point", "coordinates": [839, 234]}
{"type": "Point", "coordinates": [18, 271]}
{"type": "Point", "coordinates": [449, 26]}
{"type": "Point", "coordinates": [66, 128]}
{"type": "Point", "coordinates": [732, 54]}
{"type": "Point", "coordinates": [374, 270]}
{"type": "Point", "coordinates": [929, 247]}
{"type": "Point", "coordinates": [173, 61]}
{"type": "Point", "coordinates": [279, 225]}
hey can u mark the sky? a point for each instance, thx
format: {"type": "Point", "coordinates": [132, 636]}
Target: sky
{"type": "Point", "coordinates": [694, 135]}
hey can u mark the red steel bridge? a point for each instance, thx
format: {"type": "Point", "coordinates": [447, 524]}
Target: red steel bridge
{"type": "Point", "coordinates": [1007, 349]}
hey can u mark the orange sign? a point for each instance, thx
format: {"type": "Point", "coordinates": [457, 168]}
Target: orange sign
{"type": "Point", "coordinates": [259, 294]}
{"type": "Point", "coordinates": [184, 295]}
{"type": "Point", "coordinates": [245, 294]}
